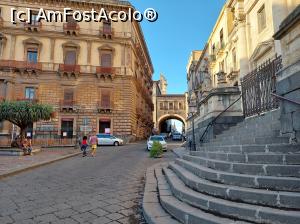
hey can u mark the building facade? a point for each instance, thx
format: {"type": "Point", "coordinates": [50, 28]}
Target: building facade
{"type": "Point", "coordinates": [96, 75]}
{"type": "Point", "coordinates": [240, 42]}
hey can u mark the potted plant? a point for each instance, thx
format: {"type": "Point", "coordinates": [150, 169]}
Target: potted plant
{"type": "Point", "coordinates": [156, 150]}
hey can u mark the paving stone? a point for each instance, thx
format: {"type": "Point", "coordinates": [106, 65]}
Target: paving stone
{"type": "Point", "coordinates": [79, 190]}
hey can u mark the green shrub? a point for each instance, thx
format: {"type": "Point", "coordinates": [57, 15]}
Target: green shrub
{"type": "Point", "coordinates": [156, 150]}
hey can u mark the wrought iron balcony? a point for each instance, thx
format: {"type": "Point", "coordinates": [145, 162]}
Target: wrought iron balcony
{"type": "Point", "coordinates": [20, 65]}
{"type": "Point", "coordinates": [104, 107]}
{"type": "Point", "coordinates": [33, 26]}
{"type": "Point", "coordinates": [33, 100]}
{"type": "Point", "coordinates": [106, 33]}
{"type": "Point", "coordinates": [71, 28]}
{"type": "Point", "coordinates": [69, 68]}
{"type": "Point", "coordinates": [67, 105]}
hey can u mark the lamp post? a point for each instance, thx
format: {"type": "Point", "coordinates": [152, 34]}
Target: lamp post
{"type": "Point", "coordinates": [193, 126]}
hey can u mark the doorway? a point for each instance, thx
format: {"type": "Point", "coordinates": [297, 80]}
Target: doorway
{"type": "Point", "coordinates": [67, 128]}
{"type": "Point", "coordinates": [104, 127]}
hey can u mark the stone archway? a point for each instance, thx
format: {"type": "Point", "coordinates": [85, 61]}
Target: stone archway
{"type": "Point", "coordinates": [168, 117]}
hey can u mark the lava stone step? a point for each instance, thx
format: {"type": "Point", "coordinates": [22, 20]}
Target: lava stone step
{"type": "Point", "coordinates": [240, 211]}
{"type": "Point", "coordinates": [246, 168]}
{"type": "Point", "coordinates": [253, 158]}
{"type": "Point", "coordinates": [242, 180]}
{"type": "Point", "coordinates": [279, 199]}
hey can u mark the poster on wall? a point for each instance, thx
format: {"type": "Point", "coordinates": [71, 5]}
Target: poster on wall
{"type": "Point", "coordinates": [107, 130]}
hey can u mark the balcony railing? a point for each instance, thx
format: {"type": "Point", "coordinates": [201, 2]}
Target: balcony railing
{"type": "Point", "coordinates": [69, 68]}
{"type": "Point", "coordinates": [34, 100]}
{"type": "Point", "coordinates": [107, 70]}
{"type": "Point", "coordinates": [71, 28]}
{"type": "Point", "coordinates": [104, 107]}
{"type": "Point", "coordinates": [67, 104]}
{"type": "Point", "coordinates": [20, 65]}
{"type": "Point", "coordinates": [106, 33]}
{"type": "Point", "coordinates": [34, 26]}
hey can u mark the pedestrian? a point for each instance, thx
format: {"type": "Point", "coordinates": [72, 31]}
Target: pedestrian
{"type": "Point", "coordinates": [84, 145]}
{"type": "Point", "coordinates": [93, 143]}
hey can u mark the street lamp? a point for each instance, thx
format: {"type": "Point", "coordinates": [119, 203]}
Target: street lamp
{"type": "Point", "coordinates": [191, 114]}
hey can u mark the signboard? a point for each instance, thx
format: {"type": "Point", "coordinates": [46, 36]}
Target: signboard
{"type": "Point", "coordinates": [28, 134]}
{"type": "Point", "coordinates": [65, 134]}
{"type": "Point", "coordinates": [46, 127]}
{"type": "Point", "coordinates": [85, 121]}
{"type": "Point", "coordinates": [84, 128]}
{"type": "Point", "coordinates": [107, 130]}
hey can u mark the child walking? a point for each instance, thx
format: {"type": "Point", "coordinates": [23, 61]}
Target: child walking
{"type": "Point", "coordinates": [93, 143]}
{"type": "Point", "coordinates": [84, 146]}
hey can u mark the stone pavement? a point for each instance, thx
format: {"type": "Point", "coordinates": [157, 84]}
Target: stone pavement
{"type": "Point", "coordinates": [13, 163]}
{"type": "Point", "coordinates": [104, 189]}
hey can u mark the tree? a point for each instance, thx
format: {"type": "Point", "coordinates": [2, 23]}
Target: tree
{"type": "Point", "coordinates": [24, 113]}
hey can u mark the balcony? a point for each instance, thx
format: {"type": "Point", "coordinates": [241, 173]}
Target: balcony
{"type": "Point", "coordinates": [20, 65]}
{"type": "Point", "coordinates": [34, 26]}
{"type": "Point", "coordinates": [221, 77]}
{"type": "Point", "coordinates": [220, 48]}
{"type": "Point", "coordinates": [104, 108]}
{"type": "Point", "coordinates": [233, 74]}
{"type": "Point", "coordinates": [71, 28]}
{"type": "Point", "coordinates": [106, 33]}
{"type": "Point", "coordinates": [107, 72]}
{"type": "Point", "coordinates": [33, 100]}
{"type": "Point", "coordinates": [67, 105]}
{"type": "Point", "coordinates": [69, 70]}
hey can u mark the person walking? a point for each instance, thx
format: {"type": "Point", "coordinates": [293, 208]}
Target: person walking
{"type": "Point", "coordinates": [93, 142]}
{"type": "Point", "coordinates": [84, 145]}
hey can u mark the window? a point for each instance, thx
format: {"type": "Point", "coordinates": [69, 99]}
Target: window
{"type": "Point", "coordinates": [70, 58]}
{"type": "Point", "coordinates": [221, 65]}
{"type": "Point", "coordinates": [180, 106]}
{"type": "Point", "coordinates": [29, 93]}
{"type": "Point", "coordinates": [0, 11]}
{"type": "Point", "coordinates": [107, 27]}
{"type": "Point", "coordinates": [33, 18]}
{"type": "Point", "coordinates": [32, 55]}
{"type": "Point", "coordinates": [171, 106]}
{"type": "Point", "coordinates": [106, 98]}
{"type": "Point", "coordinates": [221, 38]}
{"type": "Point", "coordinates": [261, 18]}
{"type": "Point", "coordinates": [106, 59]}
{"type": "Point", "coordinates": [68, 95]}
{"type": "Point", "coordinates": [161, 106]}
{"type": "Point", "coordinates": [234, 60]}
{"type": "Point", "coordinates": [213, 48]}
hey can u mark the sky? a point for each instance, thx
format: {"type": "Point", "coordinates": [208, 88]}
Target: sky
{"type": "Point", "coordinates": [182, 26]}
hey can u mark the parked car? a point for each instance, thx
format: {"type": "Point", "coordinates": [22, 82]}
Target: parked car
{"type": "Point", "coordinates": [176, 137]}
{"type": "Point", "coordinates": [156, 138]}
{"type": "Point", "coordinates": [106, 139]}
{"type": "Point", "coordinates": [164, 135]}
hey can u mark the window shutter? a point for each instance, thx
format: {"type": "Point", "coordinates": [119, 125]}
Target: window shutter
{"type": "Point", "coordinates": [106, 59]}
{"type": "Point", "coordinates": [70, 58]}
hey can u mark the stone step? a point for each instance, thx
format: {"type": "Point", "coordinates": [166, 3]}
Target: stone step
{"type": "Point", "coordinates": [185, 213]}
{"type": "Point", "coordinates": [253, 158]}
{"type": "Point", "coordinates": [235, 210]}
{"type": "Point", "coordinates": [246, 140]}
{"type": "Point", "coordinates": [247, 168]}
{"type": "Point", "coordinates": [254, 148]}
{"type": "Point", "coordinates": [242, 134]}
{"type": "Point", "coordinates": [279, 199]}
{"type": "Point", "coordinates": [242, 180]}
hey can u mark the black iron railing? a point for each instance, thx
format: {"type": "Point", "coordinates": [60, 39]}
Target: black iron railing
{"type": "Point", "coordinates": [216, 118]}
{"type": "Point", "coordinates": [257, 87]}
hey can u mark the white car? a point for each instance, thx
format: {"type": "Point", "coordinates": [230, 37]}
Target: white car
{"type": "Point", "coordinates": [156, 138]}
{"type": "Point", "coordinates": [105, 139]}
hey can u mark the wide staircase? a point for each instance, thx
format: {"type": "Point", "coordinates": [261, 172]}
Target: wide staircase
{"type": "Point", "coordinates": [248, 174]}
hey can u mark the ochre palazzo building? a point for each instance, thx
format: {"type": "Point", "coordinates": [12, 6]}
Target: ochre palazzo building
{"type": "Point", "coordinates": [97, 75]}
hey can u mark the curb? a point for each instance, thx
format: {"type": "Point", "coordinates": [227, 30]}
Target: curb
{"type": "Point", "coordinates": [14, 172]}
{"type": "Point", "coordinates": [152, 210]}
